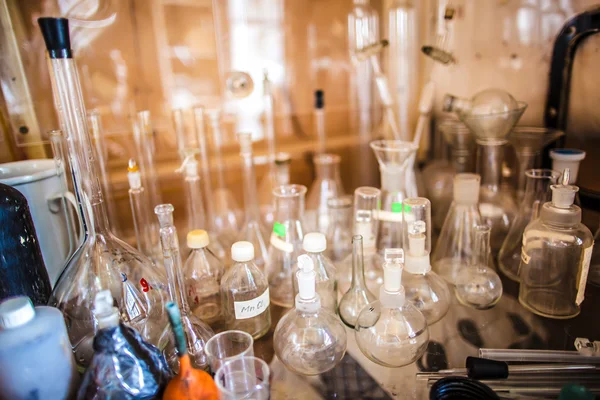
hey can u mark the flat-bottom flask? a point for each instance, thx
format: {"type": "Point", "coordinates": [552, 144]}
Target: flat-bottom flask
{"type": "Point", "coordinates": [478, 285]}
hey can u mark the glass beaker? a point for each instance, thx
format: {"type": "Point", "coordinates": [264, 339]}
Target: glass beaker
{"type": "Point", "coordinates": [228, 346]}
{"type": "Point", "coordinates": [278, 176]}
{"type": "Point", "coordinates": [395, 159]}
{"type": "Point", "coordinates": [328, 184]}
{"type": "Point", "coordinates": [102, 261]}
{"type": "Point", "coordinates": [537, 193]}
{"type": "Point", "coordinates": [339, 233]}
{"type": "Point", "coordinates": [244, 378]}
{"type": "Point", "coordinates": [285, 243]}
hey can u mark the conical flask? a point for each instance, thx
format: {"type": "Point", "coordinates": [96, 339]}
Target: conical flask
{"type": "Point", "coordinates": [339, 232]}
{"type": "Point", "coordinates": [277, 176]}
{"type": "Point", "coordinates": [536, 194]}
{"type": "Point", "coordinates": [358, 295]}
{"type": "Point", "coordinates": [454, 247]}
{"type": "Point", "coordinates": [395, 158]}
{"type": "Point", "coordinates": [285, 244]}
{"type": "Point", "coordinates": [102, 261]}
{"type": "Point", "coordinates": [197, 332]}
{"type": "Point", "coordinates": [253, 230]}
{"type": "Point", "coordinates": [328, 184]}
{"type": "Point", "coordinates": [478, 285]}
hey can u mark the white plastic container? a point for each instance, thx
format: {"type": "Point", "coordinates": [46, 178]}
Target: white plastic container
{"type": "Point", "coordinates": [36, 361]}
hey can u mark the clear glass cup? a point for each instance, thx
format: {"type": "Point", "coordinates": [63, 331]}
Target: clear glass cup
{"type": "Point", "coordinates": [243, 378]}
{"type": "Point", "coordinates": [228, 346]}
{"type": "Point", "coordinates": [328, 184]}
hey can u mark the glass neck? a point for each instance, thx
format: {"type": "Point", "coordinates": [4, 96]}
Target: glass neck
{"type": "Point", "coordinates": [195, 204]}
{"type": "Point", "coordinates": [141, 225]}
{"type": "Point", "coordinates": [525, 162]}
{"type": "Point", "coordinates": [393, 178]}
{"type": "Point", "coordinates": [172, 261]}
{"type": "Point", "coordinates": [250, 198]}
{"type": "Point", "coordinates": [289, 207]}
{"type": "Point", "coordinates": [341, 216]}
{"type": "Point", "coordinates": [216, 127]}
{"type": "Point", "coordinates": [537, 190]}
{"type": "Point", "coordinates": [282, 174]}
{"type": "Point", "coordinates": [329, 170]}
{"type": "Point", "coordinates": [358, 263]}
{"type": "Point", "coordinates": [481, 248]}
{"type": "Point", "coordinates": [489, 166]}
{"type": "Point", "coordinates": [460, 160]}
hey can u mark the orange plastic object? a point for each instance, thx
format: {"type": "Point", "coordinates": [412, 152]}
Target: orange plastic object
{"type": "Point", "coordinates": [191, 384]}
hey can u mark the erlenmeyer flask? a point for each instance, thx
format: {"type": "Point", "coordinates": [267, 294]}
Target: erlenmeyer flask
{"type": "Point", "coordinates": [394, 157]}
{"type": "Point", "coordinates": [478, 285]}
{"type": "Point", "coordinates": [278, 176]}
{"type": "Point", "coordinates": [339, 232]}
{"type": "Point", "coordinates": [328, 184]}
{"type": "Point", "coordinates": [102, 261]}
{"type": "Point", "coordinates": [253, 230]}
{"type": "Point", "coordinates": [536, 194]}
{"type": "Point", "coordinates": [358, 295]}
{"type": "Point", "coordinates": [196, 331]}
{"type": "Point", "coordinates": [455, 243]}
{"type": "Point", "coordinates": [285, 243]}
{"type": "Point", "coordinates": [366, 209]}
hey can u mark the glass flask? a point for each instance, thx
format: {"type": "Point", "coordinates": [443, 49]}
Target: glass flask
{"type": "Point", "coordinates": [286, 242]}
{"type": "Point", "coordinates": [358, 295]}
{"type": "Point", "coordinates": [202, 273]}
{"type": "Point", "coordinates": [366, 208]}
{"type": "Point", "coordinates": [279, 176]}
{"type": "Point", "coordinates": [309, 339]}
{"type": "Point", "coordinates": [102, 261]}
{"type": "Point", "coordinates": [425, 289]}
{"type": "Point", "coordinates": [245, 293]}
{"type": "Point", "coordinates": [391, 331]}
{"type": "Point", "coordinates": [557, 250]}
{"type": "Point", "coordinates": [395, 159]}
{"type": "Point", "coordinates": [339, 232]}
{"type": "Point", "coordinates": [253, 230]}
{"type": "Point", "coordinates": [315, 245]}
{"type": "Point", "coordinates": [478, 285]}
{"type": "Point", "coordinates": [328, 184]}
{"type": "Point", "coordinates": [455, 244]}
{"type": "Point", "coordinates": [197, 332]}
{"type": "Point", "coordinates": [536, 194]}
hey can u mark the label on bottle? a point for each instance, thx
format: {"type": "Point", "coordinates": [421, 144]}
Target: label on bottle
{"type": "Point", "coordinates": [281, 244]}
{"type": "Point", "coordinates": [252, 308]}
{"type": "Point", "coordinates": [583, 274]}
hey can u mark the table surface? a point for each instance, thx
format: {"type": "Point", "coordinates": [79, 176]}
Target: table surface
{"type": "Point", "coordinates": [459, 334]}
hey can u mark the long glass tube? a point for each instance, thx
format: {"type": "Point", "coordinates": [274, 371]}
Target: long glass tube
{"type": "Point", "coordinates": [193, 190]}
{"type": "Point", "coordinates": [138, 200]}
{"type": "Point", "coordinates": [538, 356]}
{"type": "Point", "coordinates": [179, 126]}
{"type": "Point", "coordinates": [205, 166]}
{"type": "Point", "coordinates": [269, 121]}
{"type": "Point", "coordinates": [250, 198]}
{"type": "Point", "coordinates": [215, 124]}
{"type": "Point", "coordinates": [144, 141]}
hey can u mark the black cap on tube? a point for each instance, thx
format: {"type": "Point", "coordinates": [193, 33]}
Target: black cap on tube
{"type": "Point", "coordinates": [319, 99]}
{"type": "Point", "coordinates": [56, 35]}
{"type": "Point", "coordinates": [482, 368]}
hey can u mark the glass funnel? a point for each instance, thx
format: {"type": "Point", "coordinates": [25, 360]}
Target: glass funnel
{"type": "Point", "coordinates": [395, 159]}
{"type": "Point", "coordinates": [102, 261]}
{"type": "Point", "coordinates": [536, 194]}
{"type": "Point", "coordinates": [339, 232]}
{"type": "Point", "coordinates": [454, 247]}
{"type": "Point", "coordinates": [197, 332]}
{"type": "Point", "coordinates": [253, 230]}
{"type": "Point", "coordinates": [277, 176]}
{"type": "Point", "coordinates": [358, 295]}
{"type": "Point", "coordinates": [478, 285]}
{"type": "Point", "coordinates": [309, 339]}
{"type": "Point", "coordinates": [285, 243]}
{"type": "Point", "coordinates": [391, 331]}
{"type": "Point", "coordinates": [328, 184]}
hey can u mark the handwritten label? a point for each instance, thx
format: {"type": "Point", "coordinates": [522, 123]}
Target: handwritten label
{"type": "Point", "coordinates": [585, 268]}
{"type": "Point", "coordinates": [252, 308]}
{"type": "Point", "coordinates": [145, 285]}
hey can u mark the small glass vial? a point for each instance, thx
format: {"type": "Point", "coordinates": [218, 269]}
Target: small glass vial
{"type": "Point", "coordinates": [245, 293]}
{"type": "Point", "coordinates": [315, 245]}
{"type": "Point", "coordinates": [309, 339]}
{"type": "Point", "coordinates": [202, 274]}
{"type": "Point", "coordinates": [555, 258]}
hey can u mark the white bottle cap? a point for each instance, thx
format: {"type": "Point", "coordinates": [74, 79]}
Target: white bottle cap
{"type": "Point", "coordinates": [306, 277]}
{"type": "Point", "coordinates": [314, 242]}
{"type": "Point", "coordinates": [242, 251]}
{"type": "Point", "coordinates": [106, 314]}
{"type": "Point", "coordinates": [567, 158]}
{"type": "Point", "coordinates": [197, 239]}
{"type": "Point", "coordinates": [15, 312]}
{"type": "Point", "coordinates": [466, 188]}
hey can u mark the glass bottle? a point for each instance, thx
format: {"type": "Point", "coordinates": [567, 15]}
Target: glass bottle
{"type": "Point", "coordinates": [478, 285]}
{"type": "Point", "coordinates": [395, 158]}
{"type": "Point", "coordinates": [454, 247]}
{"type": "Point", "coordinates": [425, 289]}
{"type": "Point", "coordinates": [253, 230]}
{"type": "Point", "coordinates": [537, 192]}
{"type": "Point", "coordinates": [197, 332]}
{"type": "Point", "coordinates": [557, 250]}
{"type": "Point", "coordinates": [391, 331]}
{"type": "Point", "coordinates": [245, 293]}
{"type": "Point", "coordinates": [366, 208]}
{"type": "Point", "coordinates": [309, 339]}
{"type": "Point", "coordinates": [202, 273]}
{"type": "Point", "coordinates": [358, 295]}
{"type": "Point", "coordinates": [328, 184]}
{"type": "Point", "coordinates": [265, 194]}
{"type": "Point", "coordinates": [339, 232]}
{"type": "Point", "coordinates": [286, 242]}
{"type": "Point", "coordinates": [102, 261]}
{"type": "Point", "coordinates": [315, 245]}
